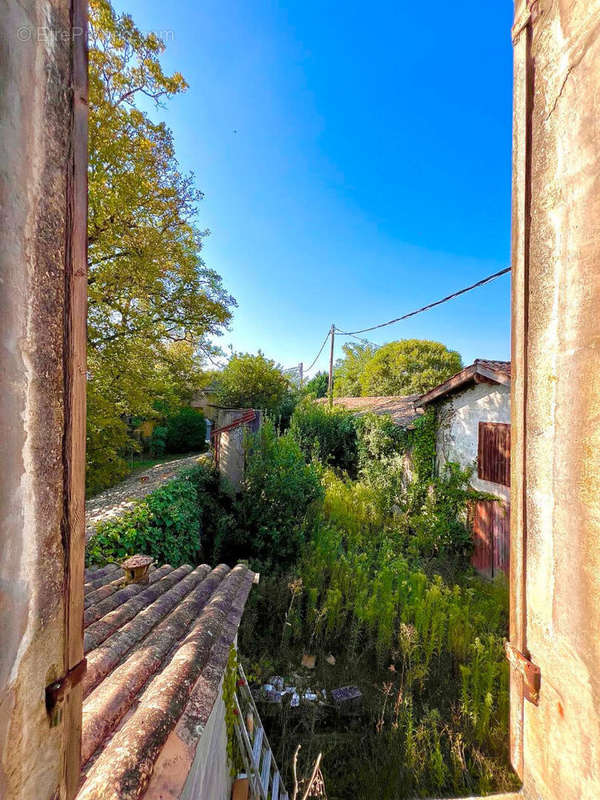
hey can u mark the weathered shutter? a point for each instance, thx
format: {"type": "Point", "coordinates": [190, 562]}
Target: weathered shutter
{"type": "Point", "coordinates": [493, 456]}
{"type": "Point", "coordinates": [43, 182]}
{"type": "Point", "coordinates": [75, 325]}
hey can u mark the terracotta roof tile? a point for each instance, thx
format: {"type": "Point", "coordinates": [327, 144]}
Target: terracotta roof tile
{"type": "Point", "coordinates": [503, 367]}
{"type": "Point", "coordinates": [401, 408]}
{"type": "Point", "coordinates": [156, 657]}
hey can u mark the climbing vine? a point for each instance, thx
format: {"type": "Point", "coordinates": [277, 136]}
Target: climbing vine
{"type": "Point", "coordinates": [230, 679]}
{"type": "Point", "coordinates": [423, 447]}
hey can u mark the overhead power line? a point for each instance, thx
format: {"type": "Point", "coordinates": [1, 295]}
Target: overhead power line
{"type": "Point", "coordinates": [482, 282]}
{"type": "Point", "coordinates": [316, 358]}
{"type": "Point", "coordinates": [360, 339]}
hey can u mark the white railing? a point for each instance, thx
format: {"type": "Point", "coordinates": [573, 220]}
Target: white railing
{"type": "Point", "coordinates": [263, 776]}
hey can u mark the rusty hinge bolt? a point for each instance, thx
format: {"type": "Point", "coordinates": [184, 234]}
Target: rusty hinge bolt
{"type": "Point", "coordinates": [532, 676]}
{"type": "Point", "coordinates": [58, 690]}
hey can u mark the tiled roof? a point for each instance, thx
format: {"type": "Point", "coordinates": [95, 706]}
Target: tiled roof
{"type": "Point", "coordinates": [401, 408]}
{"type": "Point", "coordinates": [156, 653]}
{"type": "Point", "coordinates": [480, 371]}
{"type": "Point", "coordinates": [501, 367]}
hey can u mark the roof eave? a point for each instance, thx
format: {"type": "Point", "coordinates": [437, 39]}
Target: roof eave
{"type": "Point", "coordinates": [475, 373]}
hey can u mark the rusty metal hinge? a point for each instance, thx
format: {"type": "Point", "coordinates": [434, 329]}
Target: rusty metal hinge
{"type": "Point", "coordinates": [532, 676]}
{"type": "Point", "coordinates": [58, 690]}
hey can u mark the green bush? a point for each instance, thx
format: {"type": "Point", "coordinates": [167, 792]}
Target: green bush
{"type": "Point", "coordinates": [158, 441]}
{"type": "Point", "coordinates": [281, 415]}
{"type": "Point", "coordinates": [328, 435]}
{"type": "Point", "coordinates": [164, 525]}
{"type": "Point", "coordinates": [107, 440]}
{"type": "Point", "coordinates": [439, 528]}
{"type": "Point", "coordinates": [269, 520]}
{"type": "Point", "coordinates": [378, 437]}
{"type": "Point", "coordinates": [317, 385]}
{"type": "Point", "coordinates": [186, 432]}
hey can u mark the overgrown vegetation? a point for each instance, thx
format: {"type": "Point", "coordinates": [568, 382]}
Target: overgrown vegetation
{"type": "Point", "coordinates": [165, 525]}
{"type": "Point", "coordinates": [317, 386]}
{"type": "Point", "coordinates": [268, 521]}
{"type": "Point", "coordinates": [372, 570]}
{"type": "Point", "coordinates": [326, 435]}
{"type": "Point", "coordinates": [384, 585]}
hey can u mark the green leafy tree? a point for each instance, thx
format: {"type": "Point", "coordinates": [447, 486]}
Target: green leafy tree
{"type": "Point", "coordinates": [148, 286]}
{"type": "Point", "coordinates": [252, 381]}
{"type": "Point", "coordinates": [176, 377]}
{"type": "Point", "coordinates": [349, 369]}
{"type": "Point", "coordinates": [317, 385]}
{"type": "Point", "coordinates": [186, 431]}
{"type": "Point", "coordinates": [409, 366]}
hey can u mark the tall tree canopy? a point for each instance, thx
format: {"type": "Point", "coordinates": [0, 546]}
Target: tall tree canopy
{"type": "Point", "coordinates": [153, 303]}
{"type": "Point", "coordinates": [349, 369]}
{"type": "Point", "coordinates": [252, 381]}
{"type": "Point", "coordinates": [409, 366]}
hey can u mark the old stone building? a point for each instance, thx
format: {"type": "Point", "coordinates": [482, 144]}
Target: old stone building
{"type": "Point", "coordinates": [473, 431]}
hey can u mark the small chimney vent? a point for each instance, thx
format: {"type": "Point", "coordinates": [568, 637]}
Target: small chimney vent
{"type": "Point", "coordinates": [137, 568]}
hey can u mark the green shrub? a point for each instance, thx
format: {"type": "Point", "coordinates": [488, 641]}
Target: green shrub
{"type": "Point", "coordinates": [282, 413]}
{"type": "Point", "coordinates": [378, 437]}
{"type": "Point", "coordinates": [271, 514]}
{"type": "Point", "coordinates": [317, 385]}
{"type": "Point", "coordinates": [186, 432]}
{"type": "Point", "coordinates": [158, 441]}
{"type": "Point", "coordinates": [164, 525]}
{"type": "Point", "coordinates": [107, 441]}
{"type": "Point", "coordinates": [439, 528]}
{"type": "Point", "coordinates": [423, 447]}
{"type": "Point", "coordinates": [329, 435]}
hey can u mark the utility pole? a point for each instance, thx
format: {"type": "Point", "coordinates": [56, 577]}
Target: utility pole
{"type": "Point", "coordinates": [330, 387]}
{"type": "Point", "coordinates": [301, 373]}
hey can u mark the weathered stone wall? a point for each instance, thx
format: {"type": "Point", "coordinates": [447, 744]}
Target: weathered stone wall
{"type": "Point", "coordinates": [555, 548]}
{"type": "Point", "coordinates": [36, 118]}
{"type": "Point", "coordinates": [458, 431]}
{"type": "Point", "coordinates": [231, 449]}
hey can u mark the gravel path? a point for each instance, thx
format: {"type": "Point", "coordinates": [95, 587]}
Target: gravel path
{"type": "Point", "coordinates": [120, 498]}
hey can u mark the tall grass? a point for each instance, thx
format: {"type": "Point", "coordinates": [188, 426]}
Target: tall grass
{"type": "Point", "coordinates": [427, 654]}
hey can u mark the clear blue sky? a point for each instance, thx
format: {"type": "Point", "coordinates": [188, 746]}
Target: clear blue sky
{"type": "Point", "coordinates": [370, 170]}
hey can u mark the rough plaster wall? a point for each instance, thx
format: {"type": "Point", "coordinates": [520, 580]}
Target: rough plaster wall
{"type": "Point", "coordinates": [231, 453]}
{"type": "Point", "coordinates": [231, 459]}
{"type": "Point", "coordinates": [458, 431]}
{"type": "Point", "coordinates": [562, 734]}
{"type": "Point", "coordinates": [209, 776]}
{"type": "Point", "coordinates": [34, 119]}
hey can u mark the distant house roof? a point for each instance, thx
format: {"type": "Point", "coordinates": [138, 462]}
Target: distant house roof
{"type": "Point", "coordinates": [156, 654]}
{"type": "Point", "coordinates": [481, 371]}
{"type": "Point", "coordinates": [401, 408]}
